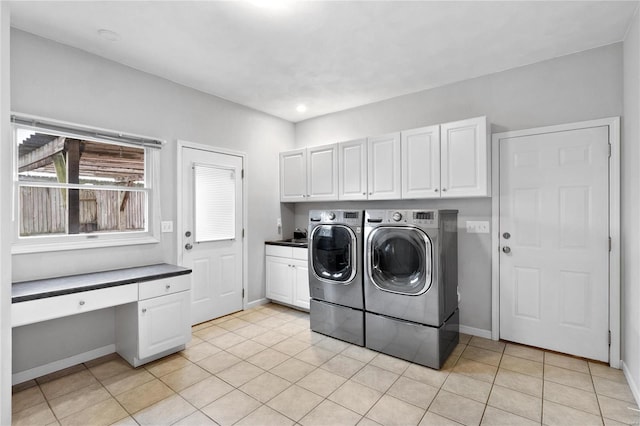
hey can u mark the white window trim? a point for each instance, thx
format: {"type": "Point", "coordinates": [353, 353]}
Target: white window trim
{"type": "Point", "coordinates": [51, 243]}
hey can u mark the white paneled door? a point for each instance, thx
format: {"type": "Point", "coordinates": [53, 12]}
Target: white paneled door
{"type": "Point", "coordinates": [211, 234]}
{"type": "Point", "coordinates": [554, 241]}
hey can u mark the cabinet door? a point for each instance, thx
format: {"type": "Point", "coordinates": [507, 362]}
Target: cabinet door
{"type": "Point", "coordinates": [384, 176]}
{"type": "Point", "coordinates": [163, 323]}
{"type": "Point", "coordinates": [279, 284]}
{"type": "Point", "coordinates": [301, 284]}
{"type": "Point", "coordinates": [322, 173]}
{"type": "Point", "coordinates": [464, 158]}
{"type": "Point", "coordinates": [421, 162]}
{"type": "Point", "coordinates": [293, 175]}
{"type": "Point", "coordinates": [352, 170]}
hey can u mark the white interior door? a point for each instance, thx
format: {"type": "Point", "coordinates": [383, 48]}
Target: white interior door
{"type": "Point", "coordinates": [211, 234]}
{"type": "Point", "coordinates": [554, 241]}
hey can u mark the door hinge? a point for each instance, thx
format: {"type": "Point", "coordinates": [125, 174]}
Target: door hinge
{"type": "Point", "coordinates": [609, 150]}
{"type": "Point", "coordinates": [609, 337]}
{"type": "Point", "coordinates": [609, 243]}
{"type": "Point", "coordinates": [243, 293]}
{"type": "Point", "coordinates": [242, 232]}
{"type": "Point", "coordinates": [242, 172]}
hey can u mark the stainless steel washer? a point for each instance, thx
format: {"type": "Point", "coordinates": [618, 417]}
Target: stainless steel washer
{"type": "Point", "coordinates": [335, 274]}
{"type": "Point", "coordinates": [410, 283]}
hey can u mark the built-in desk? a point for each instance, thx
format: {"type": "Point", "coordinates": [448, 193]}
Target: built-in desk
{"type": "Point", "coordinates": [152, 306]}
{"type": "Point", "coordinates": [45, 299]}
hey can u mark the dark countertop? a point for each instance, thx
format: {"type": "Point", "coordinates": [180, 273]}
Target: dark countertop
{"type": "Point", "coordinates": [291, 242]}
{"type": "Point", "coordinates": [39, 289]}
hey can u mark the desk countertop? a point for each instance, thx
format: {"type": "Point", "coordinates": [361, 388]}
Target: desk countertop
{"type": "Point", "coordinates": [50, 287]}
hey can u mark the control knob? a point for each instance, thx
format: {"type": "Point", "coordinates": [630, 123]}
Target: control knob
{"type": "Point", "coordinates": [331, 215]}
{"type": "Point", "coordinates": [397, 216]}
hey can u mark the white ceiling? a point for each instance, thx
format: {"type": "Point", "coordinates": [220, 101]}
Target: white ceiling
{"type": "Point", "coordinates": [328, 55]}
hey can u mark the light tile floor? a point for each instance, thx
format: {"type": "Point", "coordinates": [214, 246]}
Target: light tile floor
{"type": "Point", "coordinates": [265, 367]}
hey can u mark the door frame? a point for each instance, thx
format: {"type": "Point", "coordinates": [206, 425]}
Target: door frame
{"type": "Point", "coordinates": [614, 223]}
{"type": "Point", "coordinates": [179, 219]}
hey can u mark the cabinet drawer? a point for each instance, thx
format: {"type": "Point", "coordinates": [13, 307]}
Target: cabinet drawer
{"type": "Point", "coordinates": [280, 251]}
{"type": "Point", "coordinates": [155, 288]}
{"type": "Point", "coordinates": [300, 253]}
{"type": "Point", "coordinates": [23, 313]}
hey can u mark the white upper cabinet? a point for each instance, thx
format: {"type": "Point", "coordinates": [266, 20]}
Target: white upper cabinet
{"type": "Point", "coordinates": [293, 175]}
{"type": "Point", "coordinates": [464, 165]}
{"type": "Point", "coordinates": [384, 178]}
{"type": "Point", "coordinates": [421, 162]}
{"type": "Point", "coordinates": [309, 174]}
{"type": "Point", "coordinates": [352, 170]}
{"type": "Point", "coordinates": [450, 160]}
{"type": "Point", "coordinates": [322, 173]}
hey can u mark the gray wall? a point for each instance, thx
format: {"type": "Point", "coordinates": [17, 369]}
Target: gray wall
{"type": "Point", "coordinates": [5, 221]}
{"type": "Point", "coordinates": [577, 87]}
{"type": "Point", "coordinates": [631, 206]}
{"type": "Point", "coordinates": [56, 81]}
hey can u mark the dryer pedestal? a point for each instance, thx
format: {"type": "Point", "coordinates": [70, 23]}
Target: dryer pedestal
{"type": "Point", "coordinates": [428, 346]}
{"type": "Point", "coordinates": [337, 321]}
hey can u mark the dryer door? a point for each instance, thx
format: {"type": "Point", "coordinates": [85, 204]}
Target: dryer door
{"type": "Point", "coordinates": [399, 260]}
{"type": "Point", "coordinates": [333, 253]}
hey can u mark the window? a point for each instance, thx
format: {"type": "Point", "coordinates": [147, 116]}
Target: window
{"type": "Point", "coordinates": [78, 187]}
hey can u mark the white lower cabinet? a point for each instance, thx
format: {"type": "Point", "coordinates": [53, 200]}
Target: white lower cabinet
{"type": "Point", "coordinates": [301, 295]}
{"type": "Point", "coordinates": [287, 275]}
{"type": "Point", "coordinates": [158, 324]}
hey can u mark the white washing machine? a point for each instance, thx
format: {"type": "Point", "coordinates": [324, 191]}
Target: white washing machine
{"type": "Point", "coordinates": [411, 283]}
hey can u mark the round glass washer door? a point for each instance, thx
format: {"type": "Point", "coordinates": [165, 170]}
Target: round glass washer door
{"type": "Point", "coordinates": [400, 260]}
{"type": "Point", "coordinates": [333, 253]}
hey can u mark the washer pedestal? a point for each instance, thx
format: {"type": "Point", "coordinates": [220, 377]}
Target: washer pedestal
{"type": "Point", "coordinates": [428, 346]}
{"type": "Point", "coordinates": [337, 321]}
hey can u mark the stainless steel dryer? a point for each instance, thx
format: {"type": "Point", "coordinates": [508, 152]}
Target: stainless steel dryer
{"type": "Point", "coordinates": [411, 282]}
{"type": "Point", "coordinates": [335, 274]}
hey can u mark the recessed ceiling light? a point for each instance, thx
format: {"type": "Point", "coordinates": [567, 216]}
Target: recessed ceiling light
{"type": "Point", "coordinates": [109, 35]}
{"type": "Point", "coordinates": [301, 108]}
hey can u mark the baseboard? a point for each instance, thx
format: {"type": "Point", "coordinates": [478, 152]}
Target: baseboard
{"type": "Point", "coordinates": [257, 303]}
{"type": "Point", "coordinates": [635, 390]}
{"type": "Point", "coordinates": [41, 370]}
{"type": "Point", "coordinates": [475, 331]}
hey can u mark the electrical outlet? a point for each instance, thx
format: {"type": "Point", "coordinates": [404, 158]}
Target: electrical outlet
{"type": "Point", "coordinates": [477, 227]}
{"type": "Point", "coordinates": [167, 225]}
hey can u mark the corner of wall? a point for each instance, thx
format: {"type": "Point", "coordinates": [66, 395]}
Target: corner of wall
{"type": "Point", "coordinates": [5, 219]}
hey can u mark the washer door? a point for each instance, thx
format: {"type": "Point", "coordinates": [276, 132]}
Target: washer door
{"type": "Point", "coordinates": [399, 260]}
{"type": "Point", "coordinates": [333, 253]}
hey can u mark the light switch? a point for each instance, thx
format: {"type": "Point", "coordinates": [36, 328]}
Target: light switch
{"type": "Point", "coordinates": [477, 227]}
{"type": "Point", "coordinates": [167, 226]}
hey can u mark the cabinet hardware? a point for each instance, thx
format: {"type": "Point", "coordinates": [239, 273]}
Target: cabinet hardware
{"type": "Point", "coordinates": [168, 286]}
{"type": "Point", "coordinates": [435, 190]}
{"type": "Point", "coordinates": [82, 303]}
{"type": "Point", "coordinates": [144, 310]}
{"type": "Point", "coordinates": [444, 189]}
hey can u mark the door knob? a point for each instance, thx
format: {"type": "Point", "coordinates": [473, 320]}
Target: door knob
{"type": "Point", "coordinates": [188, 246]}
{"type": "Point", "coordinates": [187, 234]}
{"type": "Point", "coordinates": [506, 249]}
{"type": "Point", "coordinates": [506, 235]}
